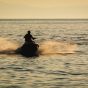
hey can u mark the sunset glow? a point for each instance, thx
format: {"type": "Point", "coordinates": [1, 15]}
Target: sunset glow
{"type": "Point", "coordinates": [43, 9]}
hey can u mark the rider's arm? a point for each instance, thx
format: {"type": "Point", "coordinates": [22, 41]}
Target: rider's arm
{"type": "Point", "coordinates": [32, 37]}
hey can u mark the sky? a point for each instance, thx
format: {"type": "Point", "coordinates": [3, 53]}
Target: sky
{"type": "Point", "coordinates": [43, 9]}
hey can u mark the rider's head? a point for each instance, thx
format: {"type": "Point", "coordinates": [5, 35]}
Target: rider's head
{"type": "Point", "coordinates": [29, 32]}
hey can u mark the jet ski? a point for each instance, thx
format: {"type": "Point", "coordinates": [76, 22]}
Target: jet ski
{"type": "Point", "coordinates": [28, 49]}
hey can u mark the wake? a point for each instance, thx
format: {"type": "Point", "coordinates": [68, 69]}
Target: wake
{"type": "Point", "coordinates": [7, 47]}
{"type": "Point", "coordinates": [45, 47]}
{"type": "Point", "coordinates": [54, 47]}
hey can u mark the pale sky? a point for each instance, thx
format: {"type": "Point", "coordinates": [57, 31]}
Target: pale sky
{"type": "Point", "coordinates": [41, 9]}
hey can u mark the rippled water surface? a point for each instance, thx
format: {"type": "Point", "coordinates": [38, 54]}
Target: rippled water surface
{"type": "Point", "coordinates": [65, 66]}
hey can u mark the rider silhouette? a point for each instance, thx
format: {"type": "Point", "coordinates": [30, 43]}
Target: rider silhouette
{"type": "Point", "coordinates": [29, 38]}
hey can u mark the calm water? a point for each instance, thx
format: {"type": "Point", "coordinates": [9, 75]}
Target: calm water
{"type": "Point", "coordinates": [67, 69]}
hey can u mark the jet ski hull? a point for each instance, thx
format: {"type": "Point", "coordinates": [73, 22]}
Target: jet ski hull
{"type": "Point", "coordinates": [28, 50]}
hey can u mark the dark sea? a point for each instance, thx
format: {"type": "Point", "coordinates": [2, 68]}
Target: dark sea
{"type": "Point", "coordinates": [63, 62]}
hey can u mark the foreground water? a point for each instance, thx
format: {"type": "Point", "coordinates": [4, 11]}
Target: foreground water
{"type": "Point", "coordinates": [63, 64]}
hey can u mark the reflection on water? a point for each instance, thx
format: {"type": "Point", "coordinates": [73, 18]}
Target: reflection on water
{"type": "Point", "coordinates": [68, 70]}
{"type": "Point", "coordinates": [47, 71]}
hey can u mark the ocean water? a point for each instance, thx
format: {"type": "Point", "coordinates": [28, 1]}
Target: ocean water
{"type": "Point", "coordinates": [62, 63]}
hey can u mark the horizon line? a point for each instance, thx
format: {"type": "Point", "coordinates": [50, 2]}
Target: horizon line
{"type": "Point", "coordinates": [43, 18]}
